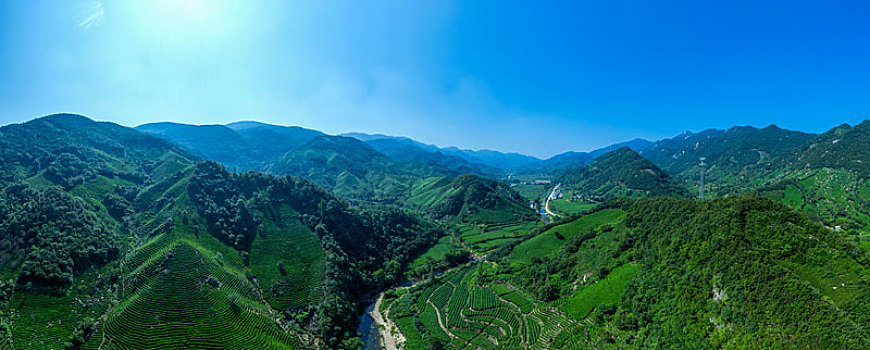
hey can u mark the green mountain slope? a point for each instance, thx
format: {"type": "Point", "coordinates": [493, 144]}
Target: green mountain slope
{"type": "Point", "coordinates": [351, 168]}
{"type": "Point", "coordinates": [507, 162]}
{"type": "Point", "coordinates": [729, 153]}
{"type": "Point", "coordinates": [843, 147]}
{"type": "Point", "coordinates": [214, 142]}
{"type": "Point", "coordinates": [345, 165]}
{"type": "Point", "coordinates": [470, 198]}
{"type": "Point", "coordinates": [620, 173]}
{"type": "Point", "coordinates": [68, 150]}
{"type": "Point", "coordinates": [242, 145]}
{"type": "Point", "coordinates": [732, 273]}
{"type": "Point", "coordinates": [828, 178]}
{"type": "Point", "coordinates": [407, 150]}
{"type": "Point", "coordinates": [272, 141]}
{"type": "Point", "coordinates": [149, 250]}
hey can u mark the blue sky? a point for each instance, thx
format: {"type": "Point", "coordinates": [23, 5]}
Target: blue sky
{"type": "Point", "coordinates": [532, 77]}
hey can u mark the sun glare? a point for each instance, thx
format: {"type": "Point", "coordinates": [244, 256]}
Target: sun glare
{"type": "Point", "coordinates": [193, 10]}
{"type": "Point", "coordinates": [183, 22]}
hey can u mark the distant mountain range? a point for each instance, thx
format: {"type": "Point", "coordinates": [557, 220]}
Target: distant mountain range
{"type": "Point", "coordinates": [379, 167]}
{"type": "Point", "coordinates": [250, 235]}
{"type": "Point", "coordinates": [367, 167]}
{"type": "Point", "coordinates": [621, 173]}
{"type": "Point", "coordinates": [250, 145]}
{"type": "Point", "coordinates": [395, 146]}
{"type": "Point", "coordinates": [386, 168]}
{"type": "Point", "coordinates": [729, 153]}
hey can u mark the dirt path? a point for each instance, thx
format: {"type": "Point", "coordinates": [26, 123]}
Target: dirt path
{"type": "Point", "coordinates": [391, 337]}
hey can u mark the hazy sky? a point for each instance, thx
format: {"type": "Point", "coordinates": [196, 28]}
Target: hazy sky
{"type": "Point", "coordinates": [529, 76]}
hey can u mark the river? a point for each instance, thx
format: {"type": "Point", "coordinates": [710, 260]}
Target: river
{"type": "Point", "coordinates": [369, 329]}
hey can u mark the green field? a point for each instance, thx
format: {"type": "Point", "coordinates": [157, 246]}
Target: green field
{"type": "Point", "coordinates": [832, 197]}
{"type": "Point", "coordinates": [189, 291]}
{"type": "Point", "coordinates": [547, 243]}
{"type": "Point", "coordinates": [45, 321]}
{"type": "Point", "coordinates": [482, 239]}
{"type": "Point", "coordinates": [606, 291]}
{"type": "Point", "coordinates": [179, 287]}
{"type": "Point", "coordinates": [467, 309]}
{"type": "Point", "coordinates": [430, 191]}
{"type": "Point", "coordinates": [421, 265]}
{"type": "Point", "coordinates": [469, 199]}
{"type": "Point", "coordinates": [570, 207]}
{"type": "Point", "coordinates": [532, 192]}
{"type": "Point", "coordinates": [287, 242]}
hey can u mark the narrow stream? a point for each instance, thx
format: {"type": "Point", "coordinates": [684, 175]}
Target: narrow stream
{"type": "Point", "coordinates": [369, 330]}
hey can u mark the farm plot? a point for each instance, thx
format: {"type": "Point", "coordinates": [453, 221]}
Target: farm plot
{"type": "Point", "coordinates": [553, 240]}
{"type": "Point", "coordinates": [184, 298]}
{"type": "Point", "coordinates": [288, 261]}
{"type": "Point", "coordinates": [483, 239]}
{"type": "Point", "coordinates": [462, 311]}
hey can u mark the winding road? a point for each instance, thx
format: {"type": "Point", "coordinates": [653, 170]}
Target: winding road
{"type": "Point", "coordinates": [547, 202]}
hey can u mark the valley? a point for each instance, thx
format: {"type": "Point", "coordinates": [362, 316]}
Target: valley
{"type": "Point", "coordinates": [252, 235]}
{"type": "Point", "coordinates": [434, 175]}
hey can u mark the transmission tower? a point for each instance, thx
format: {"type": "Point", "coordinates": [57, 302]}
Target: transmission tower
{"type": "Point", "coordinates": [703, 167]}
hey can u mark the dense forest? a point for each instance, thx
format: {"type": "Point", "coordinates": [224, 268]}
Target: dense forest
{"type": "Point", "coordinates": [76, 219]}
{"type": "Point", "coordinates": [366, 248]}
{"type": "Point", "coordinates": [115, 238]}
{"type": "Point", "coordinates": [620, 173]}
{"type": "Point", "coordinates": [741, 272]}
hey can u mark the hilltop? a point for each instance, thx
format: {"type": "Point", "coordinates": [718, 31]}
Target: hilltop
{"type": "Point", "coordinates": [620, 173]}
{"type": "Point", "coordinates": [469, 198]}
{"type": "Point", "coordinates": [827, 178]}
{"type": "Point", "coordinates": [112, 236]}
{"type": "Point", "coordinates": [254, 235]}
{"type": "Point", "coordinates": [730, 154]}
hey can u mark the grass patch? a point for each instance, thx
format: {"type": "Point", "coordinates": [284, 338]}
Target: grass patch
{"type": "Point", "coordinates": [570, 207]}
{"type": "Point", "coordinates": [606, 291]}
{"type": "Point", "coordinates": [532, 192]}
{"type": "Point", "coordinates": [288, 261]}
{"type": "Point", "coordinates": [547, 243]}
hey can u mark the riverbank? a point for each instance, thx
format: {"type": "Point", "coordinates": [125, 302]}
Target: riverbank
{"type": "Point", "coordinates": [390, 336]}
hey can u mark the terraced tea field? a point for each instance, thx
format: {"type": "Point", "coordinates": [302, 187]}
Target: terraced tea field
{"type": "Point", "coordinates": [183, 290]}
{"type": "Point", "coordinates": [834, 197]}
{"type": "Point", "coordinates": [551, 241]}
{"type": "Point", "coordinates": [532, 192]}
{"type": "Point", "coordinates": [287, 260]}
{"type": "Point", "coordinates": [185, 299]}
{"type": "Point", "coordinates": [462, 311]}
{"type": "Point", "coordinates": [484, 238]}
{"type": "Point", "coordinates": [606, 291]}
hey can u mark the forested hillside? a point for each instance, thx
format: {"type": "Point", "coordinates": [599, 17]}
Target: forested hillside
{"type": "Point", "coordinates": [345, 165]}
{"type": "Point", "coordinates": [733, 155]}
{"type": "Point", "coordinates": [741, 272]}
{"type": "Point", "coordinates": [243, 145]}
{"type": "Point", "coordinates": [372, 168]}
{"type": "Point", "coordinates": [620, 173]}
{"type": "Point", "coordinates": [126, 243]}
{"type": "Point", "coordinates": [352, 169]}
{"type": "Point", "coordinates": [469, 198]}
{"type": "Point", "coordinates": [111, 238]}
{"type": "Point", "coordinates": [828, 178]}
{"type": "Point", "coordinates": [69, 150]}
{"type": "Point", "coordinates": [407, 150]}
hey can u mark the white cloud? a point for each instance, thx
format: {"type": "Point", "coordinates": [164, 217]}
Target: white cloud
{"type": "Point", "coordinates": [91, 14]}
